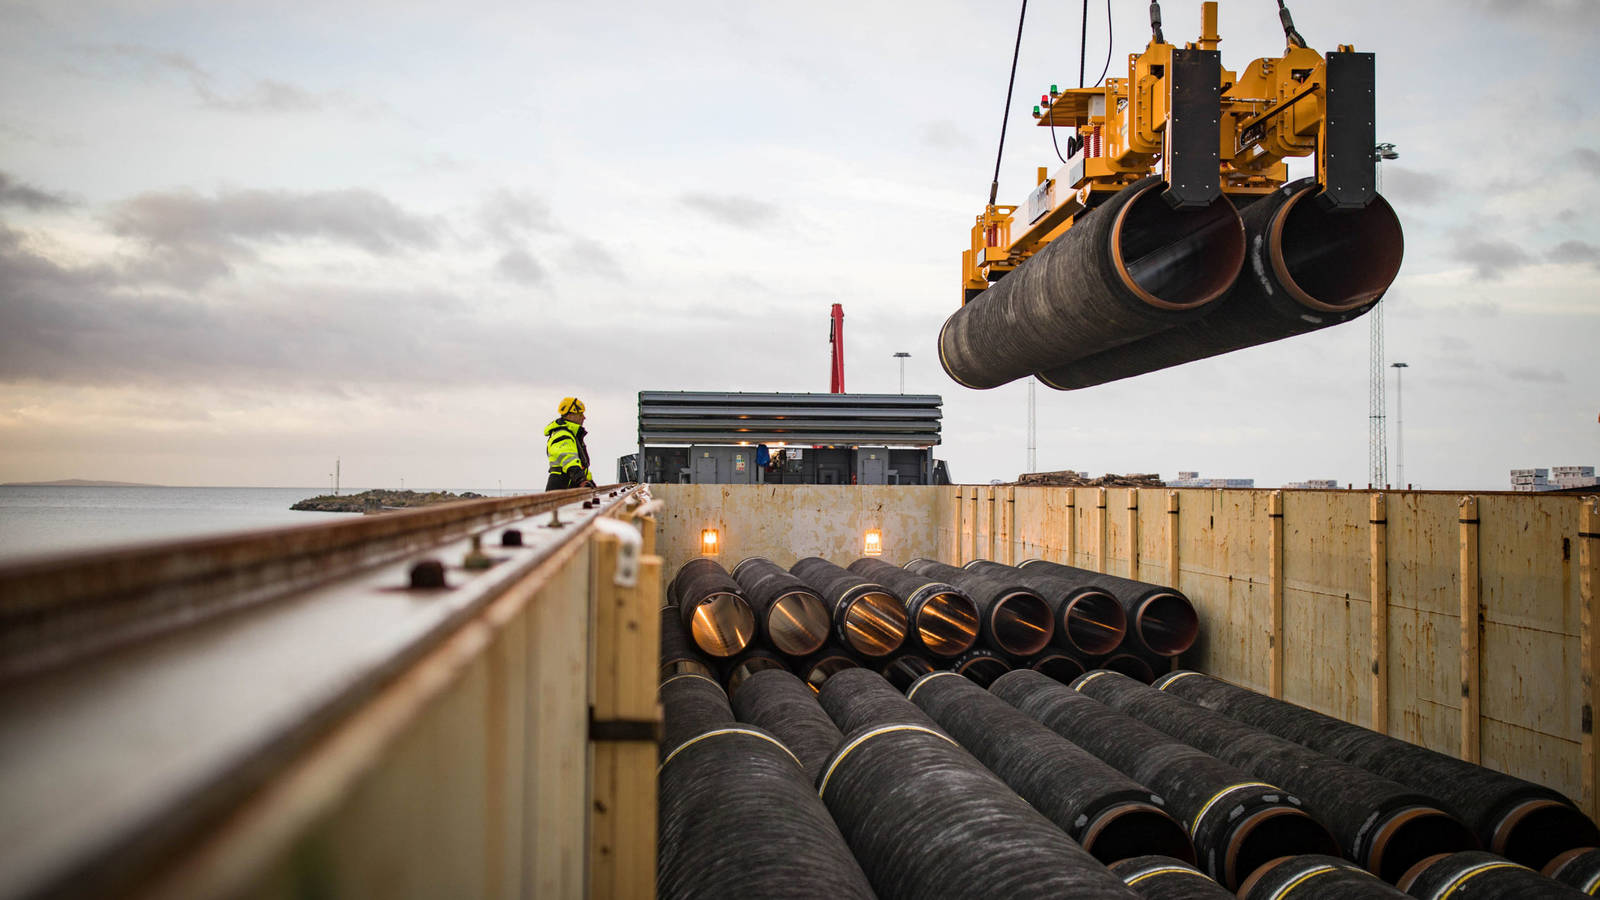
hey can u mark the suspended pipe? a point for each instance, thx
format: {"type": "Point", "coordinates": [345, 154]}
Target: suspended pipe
{"type": "Point", "coordinates": [943, 618]}
{"type": "Point", "coordinates": [981, 665]}
{"type": "Point", "coordinates": [1316, 877]}
{"type": "Point", "coordinates": [866, 617]}
{"type": "Point", "coordinates": [905, 669]}
{"type": "Point", "coordinates": [1107, 813]}
{"type": "Point", "coordinates": [1012, 618]}
{"type": "Point", "coordinates": [715, 614]}
{"type": "Point", "coordinates": [792, 618]}
{"type": "Point", "coordinates": [1381, 824]}
{"type": "Point", "coordinates": [926, 819]}
{"type": "Point", "coordinates": [1131, 267]}
{"type": "Point", "coordinates": [1236, 822]}
{"type": "Point", "coordinates": [1577, 868]}
{"type": "Point", "coordinates": [778, 702]}
{"type": "Point", "coordinates": [1475, 873]}
{"type": "Point", "coordinates": [1161, 618]}
{"type": "Point", "coordinates": [1057, 665]}
{"type": "Point", "coordinates": [737, 817]}
{"type": "Point", "coordinates": [817, 668]}
{"type": "Point", "coordinates": [691, 704]}
{"type": "Point", "coordinates": [1306, 268]}
{"type": "Point", "coordinates": [1088, 620]}
{"type": "Point", "coordinates": [678, 653]}
{"type": "Point", "coordinates": [751, 661]}
{"type": "Point", "coordinates": [1522, 821]}
{"type": "Point", "coordinates": [1164, 878]}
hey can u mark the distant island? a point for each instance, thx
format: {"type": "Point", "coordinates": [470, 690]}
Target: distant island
{"type": "Point", "coordinates": [379, 500]}
{"type": "Point", "coordinates": [77, 482]}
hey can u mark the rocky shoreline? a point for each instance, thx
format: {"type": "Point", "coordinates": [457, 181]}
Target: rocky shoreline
{"type": "Point", "coordinates": [380, 500]}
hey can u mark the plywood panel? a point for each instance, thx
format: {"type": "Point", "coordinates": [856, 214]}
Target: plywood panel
{"type": "Point", "coordinates": [1327, 606]}
{"type": "Point", "coordinates": [1424, 620]}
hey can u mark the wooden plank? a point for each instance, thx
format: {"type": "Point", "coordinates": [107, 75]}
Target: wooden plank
{"type": "Point", "coordinates": [1471, 751]}
{"type": "Point", "coordinates": [1006, 525]}
{"type": "Point", "coordinates": [1070, 539]}
{"type": "Point", "coordinates": [1275, 595]}
{"type": "Point", "coordinates": [1378, 594]}
{"type": "Point", "coordinates": [1103, 524]}
{"type": "Point", "coordinates": [1172, 540]}
{"type": "Point", "coordinates": [1589, 652]}
{"type": "Point", "coordinates": [557, 789]}
{"type": "Point", "coordinates": [1133, 533]}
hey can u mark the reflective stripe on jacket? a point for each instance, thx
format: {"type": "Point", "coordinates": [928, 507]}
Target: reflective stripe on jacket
{"type": "Point", "coordinates": [563, 444]}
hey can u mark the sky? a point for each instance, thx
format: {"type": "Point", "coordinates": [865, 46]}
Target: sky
{"type": "Point", "coordinates": [238, 242]}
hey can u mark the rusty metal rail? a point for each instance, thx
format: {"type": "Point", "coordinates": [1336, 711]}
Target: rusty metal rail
{"type": "Point", "coordinates": [155, 701]}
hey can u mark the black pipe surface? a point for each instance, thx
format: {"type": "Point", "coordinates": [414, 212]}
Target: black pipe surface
{"type": "Point", "coordinates": [1133, 665]}
{"type": "Point", "coordinates": [816, 669]}
{"type": "Point", "coordinates": [678, 653]}
{"type": "Point", "coordinates": [1236, 823]}
{"type": "Point", "coordinates": [981, 665]}
{"type": "Point", "coordinates": [943, 618]}
{"type": "Point", "coordinates": [712, 608]}
{"type": "Point", "coordinates": [1164, 878]}
{"type": "Point", "coordinates": [1057, 665]}
{"type": "Point", "coordinates": [751, 661]}
{"type": "Point", "coordinates": [927, 820]}
{"type": "Point", "coordinates": [1316, 877]}
{"type": "Point", "coordinates": [1577, 868]}
{"type": "Point", "coordinates": [1013, 618]}
{"type": "Point", "coordinates": [1088, 619]}
{"type": "Point", "coordinates": [1107, 813]}
{"type": "Point", "coordinates": [1522, 821]}
{"type": "Point", "coordinates": [862, 697]}
{"type": "Point", "coordinates": [792, 617]}
{"type": "Point", "coordinates": [1131, 267]}
{"type": "Point", "coordinates": [905, 669]}
{"type": "Point", "coordinates": [866, 617]}
{"type": "Point", "coordinates": [1381, 824]}
{"type": "Point", "coordinates": [1306, 268]}
{"type": "Point", "coordinates": [691, 705]}
{"type": "Point", "coordinates": [781, 703]}
{"type": "Point", "coordinates": [1476, 875]}
{"type": "Point", "coordinates": [1162, 618]}
{"type": "Point", "coordinates": [738, 818]}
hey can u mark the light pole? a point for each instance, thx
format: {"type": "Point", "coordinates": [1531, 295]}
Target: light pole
{"type": "Point", "coordinates": [902, 356]}
{"type": "Point", "coordinates": [1399, 426]}
{"type": "Point", "coordinates": [1377, 442]}
{"type": "Point", "coordinates": [1033, 431]}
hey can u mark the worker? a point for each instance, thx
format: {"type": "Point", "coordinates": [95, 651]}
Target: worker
{"type": "Point", "coordinates": [563, 441]}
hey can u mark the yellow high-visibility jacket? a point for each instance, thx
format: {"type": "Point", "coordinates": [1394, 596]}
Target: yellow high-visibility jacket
{"type": "Point", "coordinates": [563, 443]}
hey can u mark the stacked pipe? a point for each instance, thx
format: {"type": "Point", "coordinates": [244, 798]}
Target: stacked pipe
{"type": "Point", "coordinates": [1088, 620]}
{"type": "Point", "coordinates": [926, 819]}
{"type": "Point", "coordinates": [712, 608]}
{"type": "Point", "coordinates": [1164, 878]}
{"type": "Point", "coordinates": [1577, 868]}
{"type": "Point", "coordinates": [866, 618]}
{"type": "Point", "coordinates": [1474, 874]}
{"type": "Point", "coordinates": [1316, 877]}
{"type": "Point", "coordinates": [1160, 620]}
{"type": "Point", "coordinates": [1524, 822]}
{"type": "Point", "coordinates": [1135, 286]}
{"type": "Point", "coordinates": [1106, 812]}
{"type": "Point", "coordinates": [781, 703]}
{"type": "Point", "coordinates": [737, 816]}
{"type": "Point", "coordinates": [944, 620]}
{"type": "Point", "coordinates": [1236, 822]}
{"type": "Point", "coordinates": [1013, 618]}
{"type": "Point", "coordinates": [1379, 823]}
{"type": "Point", "coordinates": [1131, 267]}
{"type": "Point", "coordinates": [792, 617]}
{"type": "Point", "coordinates": [678, 653]}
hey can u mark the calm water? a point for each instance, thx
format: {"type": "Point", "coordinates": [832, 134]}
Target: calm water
{"type": "Point", "coordinates": [48, 520]}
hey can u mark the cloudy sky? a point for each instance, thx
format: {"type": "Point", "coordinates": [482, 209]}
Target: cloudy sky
{"type": "Point", "coordinates": [239, 241]}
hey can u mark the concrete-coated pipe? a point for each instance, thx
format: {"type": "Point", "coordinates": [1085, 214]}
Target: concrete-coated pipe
{"type": "Point", "coordinates": [905, 669]}
{"type": "Point", "coordinates": [1107, 813]}
{"type": "Point", "coordinates": [1577, 868]}
{"type": "Point", "coordinates": [1316, 877]}
{"type": "Point", "coordinates": [712, 608]}
{"type": "Point", "coordinates": [1306, 268]}
{"type": "Point", "coordinates": [678, 653]}
{"type": "Point", "coordinates": [1060, 666]}
{"type": "Point", "coordinates": [781, 703]}
{"type": "Point", "coordinates": [817, 668]}
{"type": "Point", "coordinates": [792, 618]}
{"type": "Point", "coordinates": [1131, 267]}
{"type": "Point", "coordinates": [1475, 874]}
{"type": "Point", "coordinates": [1237, 823]}
{"type": "Point", "coordinates": [747, 663]}
{"type": "Point", "coordinates": [1164, 878]}
{"type": "Point", "coordinates": [943, 618]}
{"type": "Point", "coordinates": [1161, 618]}
{"type": "Point", "coordinates": [1013, 618]}
{"type": "Point", "coordinates": [981, 665]}
{"type": "Point", "coordinates": [866, 617]}
{"type": "Point", "coordinates": [1522, 821]}
{"type": "Point", "coordinates": [1088, 619]}
{"type": "Point", "coordinates": [1381, 824]}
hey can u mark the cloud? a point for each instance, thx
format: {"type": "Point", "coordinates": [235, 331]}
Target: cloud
{"type": "Point", "coordinates": [191, 239]}
{"type": "Point", "coordinates": [509, 215]}
{"type": "Point", "coordinates": [731, 210]}
{"type": "Point", "coordinates": [1413, 185]}
{"type": "Point", "coordinates": [1572, 252]}
{"type": "Point", "coordinates": [1555, 15]}
{"type": "Point", "coordinates": [1536, 376]}
{"type": "Point", "coordinates": [943, 134]}
{"type": "Point", "coordinates": [1588, 160]}
{"type": "Point", "coordinates": [594, 258]}
{"type": "Point", "coordinates": [265, 95]}
{"type": "Point", "coordinates": [15, 193]}
{"type": "Point", "coordinates": [1489, 257]}
{"type": "Point", "coordinates": [519, 266]}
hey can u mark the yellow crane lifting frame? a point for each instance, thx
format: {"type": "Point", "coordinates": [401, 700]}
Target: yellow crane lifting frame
{"type": "Point", "coordinates": [1303, 103]}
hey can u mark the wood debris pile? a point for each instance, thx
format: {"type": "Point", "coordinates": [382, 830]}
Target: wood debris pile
{"type": "Point", "coordinates": [1069, 478]}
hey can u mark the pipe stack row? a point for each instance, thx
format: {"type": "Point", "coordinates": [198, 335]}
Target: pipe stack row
{"type": "Point", "coordinates": [983, 620]}
{"type": "Point", "coordinates": [1136, 285]}
{"type": "Point", "coordinates": [1191, 788]}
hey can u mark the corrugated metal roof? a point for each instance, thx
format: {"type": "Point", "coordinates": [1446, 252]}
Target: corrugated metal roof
{"type": "Point", "coordinates": [705, 417]}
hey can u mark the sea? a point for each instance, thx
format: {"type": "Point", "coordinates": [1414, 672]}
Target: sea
{"type": "Point", "coordinates": [38, 520]}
